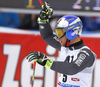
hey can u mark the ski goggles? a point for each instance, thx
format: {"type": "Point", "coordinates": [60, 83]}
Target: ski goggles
{"type": "Point", "coordinates": [60, 32]}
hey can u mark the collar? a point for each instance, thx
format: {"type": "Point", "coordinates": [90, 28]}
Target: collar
{"type": "Point", "coordinates": [76, 45]}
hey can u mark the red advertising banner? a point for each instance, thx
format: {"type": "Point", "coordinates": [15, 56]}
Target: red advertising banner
{"type": "Point", "coordinates": [14, 48]}
{"type": "Point", "coordinates": [93, 43]}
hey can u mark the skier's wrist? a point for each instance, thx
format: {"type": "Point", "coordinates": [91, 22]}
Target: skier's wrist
{"type": "Point", "coordinates": [49, 63]}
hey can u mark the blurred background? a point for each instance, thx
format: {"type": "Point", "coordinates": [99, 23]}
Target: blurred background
{"type": "Point", "coordinates": [19, 35]}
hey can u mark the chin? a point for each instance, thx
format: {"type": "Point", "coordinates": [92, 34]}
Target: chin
{"type": "Point", "coordinates": [63, 45]}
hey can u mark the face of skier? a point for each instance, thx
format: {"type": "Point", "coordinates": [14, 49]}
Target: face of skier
{"type": "Point", "coordinates": [63, 40]}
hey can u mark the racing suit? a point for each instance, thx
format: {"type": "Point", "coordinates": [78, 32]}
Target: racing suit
{"type": "Point", "coordinates": [76, 65]}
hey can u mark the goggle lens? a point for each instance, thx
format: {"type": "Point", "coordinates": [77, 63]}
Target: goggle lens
{"type": "Point", "coordinates": [59, 32]}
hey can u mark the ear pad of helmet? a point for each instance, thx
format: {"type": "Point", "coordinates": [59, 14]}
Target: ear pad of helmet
{"type": "Point", "coordinates": [69, 34]}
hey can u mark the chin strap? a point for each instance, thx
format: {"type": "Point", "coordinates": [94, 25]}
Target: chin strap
{"type": "Point", "coordinates": [67, 43]}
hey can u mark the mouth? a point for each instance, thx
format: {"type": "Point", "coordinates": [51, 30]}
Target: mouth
{"type": "Point", "coordinates": [60, 41]}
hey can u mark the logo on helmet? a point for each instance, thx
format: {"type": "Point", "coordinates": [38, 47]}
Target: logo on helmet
{"type": "Point", "coordinates": [70, 19]}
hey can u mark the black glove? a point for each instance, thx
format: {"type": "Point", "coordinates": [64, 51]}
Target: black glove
{"type": "Point", "coordinates": [40, 58]}
{"type": "Point", "coordinates": [45, 13]}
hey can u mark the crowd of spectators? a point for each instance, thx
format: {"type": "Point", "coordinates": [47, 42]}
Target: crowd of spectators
{"type": "Point", "coordinates": [29, 21]}
{"type": "Point", "coordinates": [9, 20]}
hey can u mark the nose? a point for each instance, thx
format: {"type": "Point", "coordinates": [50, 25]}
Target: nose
{"type": "Point", "coordinates": [59, 39]}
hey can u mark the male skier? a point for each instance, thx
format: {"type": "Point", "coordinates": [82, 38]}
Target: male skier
{"type": "Point", "coordinates": [77, 61]}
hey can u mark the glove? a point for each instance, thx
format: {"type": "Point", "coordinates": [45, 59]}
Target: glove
{"type": "Point", "coordinates": [40, 58]}
{"type": "Point", "coordinates": [45, 14]}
